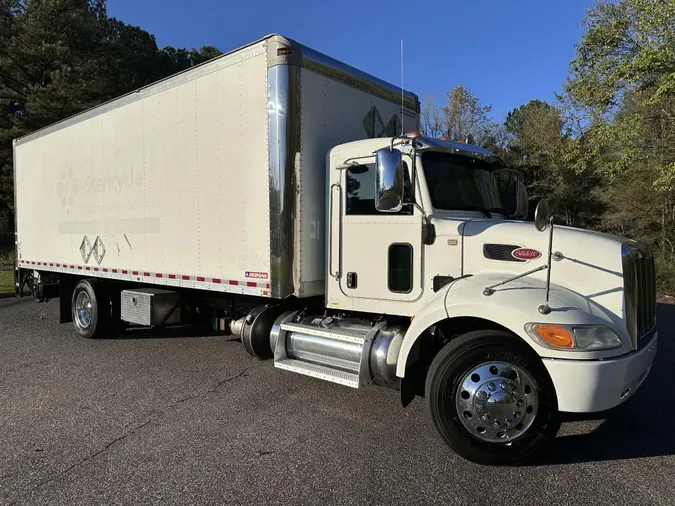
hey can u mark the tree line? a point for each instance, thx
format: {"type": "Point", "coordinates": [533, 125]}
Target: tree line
{"type": "Point", "coordinates": [603, 152]}
{"type": "Point", "coordinates": [60, 57]}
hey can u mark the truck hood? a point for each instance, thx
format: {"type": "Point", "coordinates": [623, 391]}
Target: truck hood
{"type": "Point", "coordinates": [588, 263]}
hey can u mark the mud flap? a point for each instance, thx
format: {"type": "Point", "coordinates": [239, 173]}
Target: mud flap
{"type": "Point", "coordinates": [66, 286]}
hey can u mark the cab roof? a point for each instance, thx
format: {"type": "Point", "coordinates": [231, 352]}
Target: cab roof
{"type": "Point", "coordinates": [422, 144]}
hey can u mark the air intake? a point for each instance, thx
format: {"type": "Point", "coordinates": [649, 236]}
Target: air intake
{"type": "Point", "coordinates": [501, 252]}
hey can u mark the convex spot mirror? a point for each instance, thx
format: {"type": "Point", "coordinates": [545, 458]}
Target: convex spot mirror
{"type": "Point", "coordinates": [542, 215]}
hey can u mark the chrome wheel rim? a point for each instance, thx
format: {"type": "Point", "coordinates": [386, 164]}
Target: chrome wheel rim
{"type": "Point", "coordinates": [83, 310]}
{"type": "Point", "coordinates": [497, 402]}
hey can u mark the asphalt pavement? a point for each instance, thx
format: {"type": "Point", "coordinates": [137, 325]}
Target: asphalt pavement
{"type": "Point", "coordinates": [169, 417]}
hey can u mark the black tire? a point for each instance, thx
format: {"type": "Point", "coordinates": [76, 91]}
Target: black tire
{"type": "Point", "coordinates": [444, 378]}
{"type": "Point", "coordinates": [92, 322]}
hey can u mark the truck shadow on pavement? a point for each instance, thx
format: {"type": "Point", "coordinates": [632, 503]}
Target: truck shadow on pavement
{"type": "Point", "coordinates": [175, 331]}
{"type": "Point", "coordinates": [642, 426]}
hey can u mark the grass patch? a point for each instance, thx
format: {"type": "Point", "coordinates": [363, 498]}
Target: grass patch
{"type": "Point", "coordinates": [6, 281]}
{"type": "Point", "coordinates": [7, 261]}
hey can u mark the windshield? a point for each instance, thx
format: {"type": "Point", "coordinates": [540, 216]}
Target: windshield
{"type": "Point", "coordinates": [458, 182]}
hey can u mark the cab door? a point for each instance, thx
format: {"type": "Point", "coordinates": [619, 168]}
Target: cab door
{"type": "Point", "coordinates": [381, 257]}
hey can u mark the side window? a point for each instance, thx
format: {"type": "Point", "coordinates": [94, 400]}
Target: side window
{"type": "Point", "coordinates": [361, 191]}
{"type": "Point", "coordinates": [400, 268]}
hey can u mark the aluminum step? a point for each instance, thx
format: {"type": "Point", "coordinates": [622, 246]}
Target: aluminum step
{"type": "Point", "coordinates": [352, 336]}
{"type": "Point", "coordinates": [319, 371]}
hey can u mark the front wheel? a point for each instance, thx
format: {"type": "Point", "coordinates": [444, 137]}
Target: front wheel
{"type": "Point", "coordinates": [491, 398]}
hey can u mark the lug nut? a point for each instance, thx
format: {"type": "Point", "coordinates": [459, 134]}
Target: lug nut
{"type": "Point", "coordinates": [496, 423]}
{"type": "Point", "coordinates": [516, 415]}
{"type": "Point", "coordinates": [504, 386]}
{"type": "Point", "coordinates": [491, 387]}
{"type": "Point", "coordinates": [480, 406]}
{"type": "Point", "coordinates": [482, 395]}
{"type": "Point", "coordinates": [519, 403]}
{"type": "Point", "coordinates": [485, 417]}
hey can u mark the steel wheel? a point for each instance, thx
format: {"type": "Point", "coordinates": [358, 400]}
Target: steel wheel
{"type": "Point", "coordinates": [497, 401]}
{"type": "Point", "coordinates": [83, 310]}
{"type": "Point", "coordinates": [491, 398]}
{"type": "Point", "coordinates": [90, 308]}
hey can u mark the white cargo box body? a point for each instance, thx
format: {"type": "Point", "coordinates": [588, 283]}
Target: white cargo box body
{"type": "Point", "coordinates": [211, 179]}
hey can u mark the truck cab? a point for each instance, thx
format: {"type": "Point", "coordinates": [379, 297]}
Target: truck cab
{"type": "Point", "coordinates": [511, 322]}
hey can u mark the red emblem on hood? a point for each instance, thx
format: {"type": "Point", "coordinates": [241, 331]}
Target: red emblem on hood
{"type": "Point", "coordinates": [525, 253]}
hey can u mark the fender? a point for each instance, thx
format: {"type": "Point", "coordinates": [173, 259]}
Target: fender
{"type": "Point", "coordinates": [512, 306]}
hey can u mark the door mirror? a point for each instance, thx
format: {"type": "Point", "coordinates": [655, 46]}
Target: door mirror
{"type": "Point", "coordinates": [512, 193]}
{"type": "Point", "coordinates": [389, 181]}
{"type": "Point", "coordinates": [542, 215]}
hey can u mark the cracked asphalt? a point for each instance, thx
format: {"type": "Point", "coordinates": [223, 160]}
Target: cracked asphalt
{"type": "Point", "coordinates": [176, 418]}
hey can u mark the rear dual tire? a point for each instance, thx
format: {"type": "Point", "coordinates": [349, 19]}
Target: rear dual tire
{"type": "Point", "coordinates": [491, 399]}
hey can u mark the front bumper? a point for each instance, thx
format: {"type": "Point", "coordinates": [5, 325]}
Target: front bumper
{"type": "Point", "coordinates": [586, 386]}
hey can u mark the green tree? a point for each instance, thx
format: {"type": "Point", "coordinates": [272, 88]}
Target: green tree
{"type": "Point", "coordinates": [59, 57]}
{"type": "Point", "coordinates": [623, 82]}
{"type": "Point", "coordinates": [542, 147]}
{"type": "Point", "coordinates": [462, 117]}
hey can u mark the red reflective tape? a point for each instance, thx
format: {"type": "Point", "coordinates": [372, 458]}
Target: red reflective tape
{"type": "Point", "coordinates": [59, 265]}
{"type": "Point", "coordinates": [105, 269]}
{"type": "Point", "coordinates": [146, 274]}
{"type": "Point", "coordinates": [124, 271]}
{"type": "Point", "coordinates": [158, 275]}
{"type": "Point", "coordinates": [232, 282]}
{"type": "Point", "coordinates": [267, 286]}
{"type": "Point", "coordinates": [51, 265]}
{"type": "Point", "coordinates": [135, 273]}
{"type": "Point", "coordinates": [216, 280]}
{"type": "Point", "coordinates": [32, 263]}
{"type": "Point", "coordinates": [79, 267]}
{"type": "Point", "coordinates": [185, 278]}
{"type": "Point", "coordinates": [252, 284]}
{"type": "Point", "coordinates": [114, 270]}
{"type": "Point", "coordinates": [201, 278]}
{"type": "Point", "coordinates": [72, 267]}
{"type": "Point", "coordinates": [88, 268]}
{"type": "Point", "coordinates": [172, 276]}
{"type": "Point", "coordinates": [96, 269]}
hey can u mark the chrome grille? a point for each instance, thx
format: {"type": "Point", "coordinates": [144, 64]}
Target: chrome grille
{"type": "Point", "coordinates": [639, 279]}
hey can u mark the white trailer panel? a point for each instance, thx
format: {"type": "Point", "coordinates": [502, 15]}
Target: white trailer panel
{"type": "Point", "coordinates": [213, 178]}
{"type": "Point", "coordinates": [333, 113]}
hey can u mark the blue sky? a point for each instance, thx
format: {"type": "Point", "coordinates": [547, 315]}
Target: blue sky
{"type": "Point", "coordinates": [506, 51]}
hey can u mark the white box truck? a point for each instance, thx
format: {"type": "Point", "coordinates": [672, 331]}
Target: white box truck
{"type": "Point", "coordinates": [271, 191]}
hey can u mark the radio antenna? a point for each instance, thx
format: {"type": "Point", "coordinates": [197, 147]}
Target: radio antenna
{"type": "Point", "coordinates": [402, 130]}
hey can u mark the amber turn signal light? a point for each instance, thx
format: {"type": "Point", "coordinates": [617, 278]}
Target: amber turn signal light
{"type": "Point", "coordinates": [555, 335]}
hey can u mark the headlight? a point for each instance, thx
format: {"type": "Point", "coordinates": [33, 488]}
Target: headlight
{"type": "Point", "coordinates": [568, 337]}
{"type": "Point", "coordinates": [596, 338]}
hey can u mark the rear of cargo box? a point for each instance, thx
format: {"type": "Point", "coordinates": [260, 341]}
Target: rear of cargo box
{"type": "Point", "coordinates": [212, 179]}
{"type": "Point", "coordinates": [338, 104]}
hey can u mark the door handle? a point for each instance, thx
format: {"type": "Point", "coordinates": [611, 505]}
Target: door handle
{"type": "Point", "coordinates": [352, 280]}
